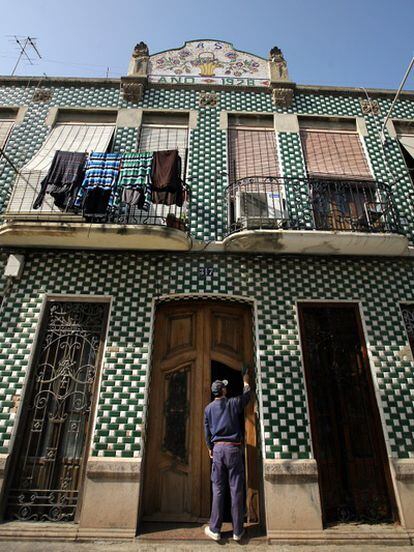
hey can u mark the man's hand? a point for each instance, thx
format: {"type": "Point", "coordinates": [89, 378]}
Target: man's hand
{"type": "Point", "coordinates": [210, 453]}
{"type": "Point", "coordinates": [246, 378]}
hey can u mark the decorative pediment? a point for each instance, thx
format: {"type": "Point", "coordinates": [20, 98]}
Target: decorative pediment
{"type": "Point", "coordinates": [208, 62]}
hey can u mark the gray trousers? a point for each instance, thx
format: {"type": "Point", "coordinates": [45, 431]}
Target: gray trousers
{"type": "Point", "coordinates": [227, 466]}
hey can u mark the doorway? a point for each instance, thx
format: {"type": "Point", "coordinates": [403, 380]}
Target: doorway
{"type": "Point", "coordinates": [48, 464]}
{"type": "Point", "coordinates": [349, 446]}
{"type": "Point", "coordinates": [194, 342]}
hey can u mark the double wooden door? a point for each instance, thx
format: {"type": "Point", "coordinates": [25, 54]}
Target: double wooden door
{"type": "Point", "coordinates": [193, 341]}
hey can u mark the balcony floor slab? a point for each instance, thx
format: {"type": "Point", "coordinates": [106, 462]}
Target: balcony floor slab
{"type": "Point", "coordinates": [69, 235]}
{"type": "Point", "coordinates": [315, 242]}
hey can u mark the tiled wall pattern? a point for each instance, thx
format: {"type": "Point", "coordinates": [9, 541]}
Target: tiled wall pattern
{"type": "Point", "coordinates": [276, 283]}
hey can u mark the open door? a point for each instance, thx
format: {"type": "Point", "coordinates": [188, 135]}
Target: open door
{"type": "Point", "coordinates": [189, 338]}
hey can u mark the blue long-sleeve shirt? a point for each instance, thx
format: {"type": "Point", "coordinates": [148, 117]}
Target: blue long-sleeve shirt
{"type": "Point", "coordinates": [222, 419]}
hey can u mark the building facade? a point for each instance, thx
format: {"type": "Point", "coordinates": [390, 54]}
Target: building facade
{"type": "Point", "coordinates": [288, 254]}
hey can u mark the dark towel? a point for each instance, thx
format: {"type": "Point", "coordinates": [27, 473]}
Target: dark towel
{"type": "Point", "coordinates": [63, 179]}
{"type": "Point", "coordinates": [167, 185]}
{"type": "Point", "coordinates": [96, 201]}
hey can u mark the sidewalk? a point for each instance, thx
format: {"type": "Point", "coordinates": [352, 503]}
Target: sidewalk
{"type": "Point", "coordinates": [30, 546]}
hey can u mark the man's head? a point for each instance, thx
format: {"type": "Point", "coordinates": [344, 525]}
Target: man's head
{"type": "Point", "coordinates": [219, 388]}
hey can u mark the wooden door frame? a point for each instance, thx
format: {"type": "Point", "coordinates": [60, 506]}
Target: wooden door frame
{"type": "Point", "coordinates": [210, 298]}
{"type": "Point", "coordinates": [375, 406]}
{"type": "Point", "coordinates": [27, 387]}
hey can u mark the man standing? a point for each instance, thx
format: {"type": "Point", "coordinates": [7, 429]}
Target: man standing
{"type": "Point", "coordinates": [224, 431]}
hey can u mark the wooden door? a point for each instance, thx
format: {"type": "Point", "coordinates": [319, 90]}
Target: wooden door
{"type": "Point", "coordinates": [188, 338]}
{"type": "Point", "coordinates": [349, 446]}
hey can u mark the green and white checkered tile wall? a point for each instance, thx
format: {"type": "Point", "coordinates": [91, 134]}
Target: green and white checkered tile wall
{"type": "Point", "coordinates": [134, 279]}
{"type": "Point", "coordinates": [275, 283]}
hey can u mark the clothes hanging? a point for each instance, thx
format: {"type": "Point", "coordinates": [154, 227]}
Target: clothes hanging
{"type": "Point", "coordinates": [63, 179]}
{"type": "Point", "coordinates": [96, 201]}
{"type": "Point", "coordinates": [134, 183]}
{"type": "Point", "coordinates": [167, 186]}
{"type": "Point", "coordinates": [102, 171]}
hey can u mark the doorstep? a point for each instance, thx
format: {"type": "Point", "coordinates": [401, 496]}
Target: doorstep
{"type": "Point", "coordinates": [384, 534]}
{"type": "Point", "coordinates": [153, 532]}
{"type": "Point", "coordinates": [45, 531]}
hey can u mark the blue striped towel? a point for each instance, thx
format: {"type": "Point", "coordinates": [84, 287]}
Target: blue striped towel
{"type": "Point", "coordinates": [102, 170]}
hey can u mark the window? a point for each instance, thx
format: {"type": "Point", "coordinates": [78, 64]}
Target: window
{"type": "Point", "coordinates": [252, 147]}
{"type": "Point", "coordinates": [160, 131]}
{"type": "Point", "coordinates": [256, 194]}
{"type": "Point", "coordinates": [7, 118]}
{"type": "Point", "coordinates": [405, 135]}
{"type": "Point", "coordinates": [408, 315]}
{"type": "Point", "coordinates": [343, 194]}
{"type": "Point", "coordinates": [74, 131]}
{"type": "Point", "coordinates": [165, 131]}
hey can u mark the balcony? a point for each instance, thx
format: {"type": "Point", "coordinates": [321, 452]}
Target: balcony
{"type": "Point", "coordinates": [337, 217]}
{"type": "Point", "coordinates": [162, 227]}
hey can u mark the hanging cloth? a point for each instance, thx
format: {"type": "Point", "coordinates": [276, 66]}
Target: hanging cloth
{"type": "Point", "coordinates": [63, 179]}
{"type": "Point", "coordinates": [167, 186]}
{"type": "Point", "coordinates": [134, 184]}
{"type": "Point", "coordinates": [101, 174]}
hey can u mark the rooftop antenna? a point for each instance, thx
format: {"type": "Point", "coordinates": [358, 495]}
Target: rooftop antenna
{"type": "Point", "coordinates": [24, 44]}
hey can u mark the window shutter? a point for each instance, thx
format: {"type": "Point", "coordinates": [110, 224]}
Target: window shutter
{"type": "Point", "coordinates": [252, 153]}
{"type": "Point", "coordinates": [334, 154]}
{"type": "Point", "coordinates": [63, 137]}
{"type": "Point", "coordinates": [5, 129]}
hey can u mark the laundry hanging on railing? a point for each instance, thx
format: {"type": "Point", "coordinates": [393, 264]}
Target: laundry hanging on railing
{"type": "Point", "coordinates": [97, 192]}
{"type": "Point", "coordinates": [167, 186]}
{"type": "Point", "coordinates": [63, 179]}
{"type": "Point", "coordinates": [134, 184]}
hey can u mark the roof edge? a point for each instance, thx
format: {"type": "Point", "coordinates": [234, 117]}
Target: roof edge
{"type": "Point", "coordinates": [101, 81]}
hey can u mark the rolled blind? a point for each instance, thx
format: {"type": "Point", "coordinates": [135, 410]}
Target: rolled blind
{"type": "Point", "coordinates": [5, 129]}
{"type": "Point", "coordinates": [252, 153]}
{"type": "Point", "coordinates": [63, 137]}
{"type": "Point", "coordinates": [334, 154]}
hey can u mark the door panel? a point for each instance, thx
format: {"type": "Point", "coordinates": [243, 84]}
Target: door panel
{"type": "Point", "coordinates": [56, 413]}
{"type": "Point", "coordinates": [187, 338]}
{"type": "Point", "coordinates": [347, 435]}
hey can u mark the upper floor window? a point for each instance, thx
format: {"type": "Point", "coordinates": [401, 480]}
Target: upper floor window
{"type": "Point", "coordinates": [7, 118]}
{"type": "Point", "coordinates": [252, 147]}
{"type": "Point", "coordinates": [405, 135]}
{"type": "Point", "coordinates": [343, 194]}
{"type": "Point", "coordinates": [165, 131]}
{"type": "Point", "coordinates": [332, 148]}
{"type": "Point", "coordinates": [256, 193]}
{"type": "Point", "coordinates": [73, 131]}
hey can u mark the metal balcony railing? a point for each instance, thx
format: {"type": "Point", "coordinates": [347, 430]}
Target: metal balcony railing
{"type": "Point", "coordinates": [27, 187]}
{"type": "Point", "coordinates": [259, 202]}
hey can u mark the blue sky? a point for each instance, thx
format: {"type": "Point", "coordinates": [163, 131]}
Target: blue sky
{"type": "Point", "coordinates": [331, 42]}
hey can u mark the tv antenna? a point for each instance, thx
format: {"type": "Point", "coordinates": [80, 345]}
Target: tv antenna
{"type": "Point", "coordinates": [25, 44]}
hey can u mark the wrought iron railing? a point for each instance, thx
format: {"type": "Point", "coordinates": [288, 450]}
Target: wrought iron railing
{"type": "Point", "coordinates": [260, 202]}
{"type": "Point", "coordinates": [22, 205]}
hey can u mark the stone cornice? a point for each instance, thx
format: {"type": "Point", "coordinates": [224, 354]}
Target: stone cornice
{"type": "Point", "coordinates": [312, 89]}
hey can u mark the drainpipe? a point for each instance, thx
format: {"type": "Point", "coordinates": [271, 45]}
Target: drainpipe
{"type": "Point", "coordinates": [395, 99]}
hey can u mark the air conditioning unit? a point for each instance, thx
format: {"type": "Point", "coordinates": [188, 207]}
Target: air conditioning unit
{"type": "Point", "coordinates": [260, 209]}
